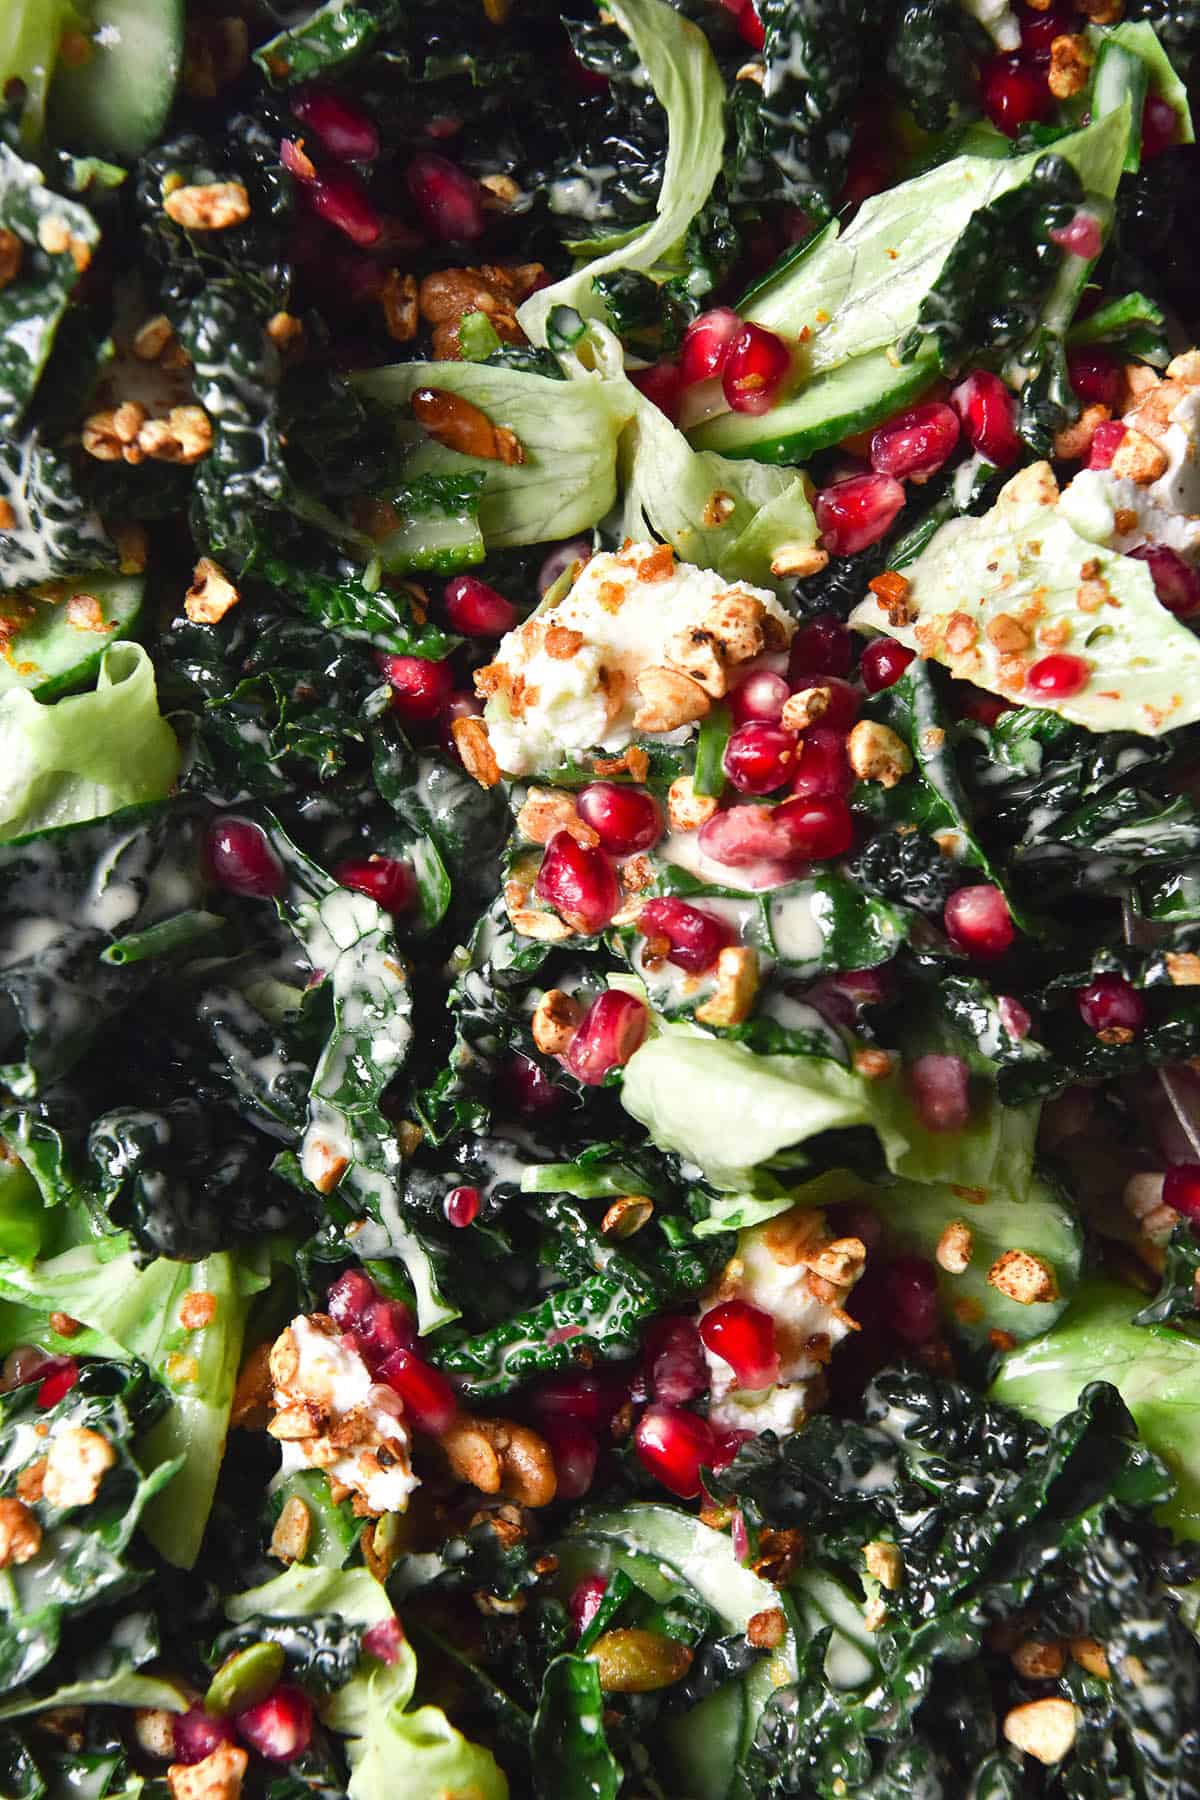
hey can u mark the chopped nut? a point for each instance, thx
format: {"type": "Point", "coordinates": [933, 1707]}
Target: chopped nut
{"type": "Point", "coordinates": [133, 546]}
{"type": "Point", "coordinates": [252, 1395]}
{"type": "Point", "coordinates": [456, 422]}
{"type": "Point", "coordinates": [1138, 458]}
{"type": "Point", "coordinates": [152, 338]}
{"type": "Point", "coordinates": [99, 438]}
{"type": "Point", "coordinates": [328, 1161]}
{"type": "Point", "coordinates": [31, 1481]}
{"type": "Point", "coordinates": [555, 1021]}
{"type": "Point", "coordinates": [11, 253]}
{"type": "Point", "coordinates": [874, 1613]}
{"type": "Point", "coordinates": [65, 1325]}
{"type": "Point", "coordinates": [1044, 1729]}
{"type": "Point", "coordinates": [218, 1777]}
{"type": "Point", "coordinates": [1102, 12]}
{"type": "Point", "coordinates": [766, 1630]}
{"type": "Point", "coordinates": [779, 1554]}
{"type": "Point", "coordinates": [54, 235]}
{"type": "Point", "coordinates": [1183, 966]}
{"type": "Point", "coordinates": [546, 811]}
{"type": "Point", "coordinates": [1091, 1656]}
{"type": "Point", "coordinates": [872, 1064]}
{"type": "Point", "coordinates": [1038, 1660]}
{"type": "Point", "coordinates": [670, 699]}
{"type": "Point", "coordinates": [474, 747]}
{"type": "Point", "coordinates": [699, 655]}
{"type": "Point", "coordinates": [627, 1215]}
{"type": "Point", "coordinates": [1143, 1194]}
{"type": "Point", "coordinates": [293, 1531]}
{"type": "Point", "coordinates": [502, 188]}
{"type": "Point", "coordinates": [737, 984]}
{"type": "Point", "coordinates": [1184, 368]}
{"type": "Point", "coordinates": [1074, 441]}
{"type": "Point", "coordinates": [75, 1466]}
{"type": "Point", "coordinates": [1035, 485]}
{"type": "Point", "coordinates": [500, 1456]}
{"type": "Point", "coordinates": [154, 1730]}
{"type": "Point", "coordinates": [212, 206]}
{"type": "Point", "coordinates": [800, 560]}
{"type": "Point", "coordinates": [1070, 65]}
{"type": "Point", "coordinates": [543, 927]}
{"type": "Point", "coordinates": [954, 1248]}
{"type": "Point", "coordinates": [197, 1309]}
{"type": "Point", "coordinates": [211, 594]}
{"type": "Point", "coordinates": [687, 810]}
{"type": "Point", "coordinates": [735, 621]}
{"type": "Point", "coordinates": [1025, 1278]}
{"type": "Point", "coordinates": [285, 331]}
{"type": "Point", "coordinates": [891, 591]}
{"type": "Point", "coordinates": [877, 754]}
{"type": "Point", "coordinates": [885, 1562]}
{"type": "Point", "coordinates": [1008, 635]}
{"type": "Point", "coordinates": [20, 1533]}
{"type": "Point", "coordinates": [839, 1262]}
{"type": "Point", "coordinates": [805, 708]}
{"type": "Point", "coordinates": [961, 633]}
{"type": "Point", "coordinates": [8, 517]}
{"type": "Point", "coordinates": [717, 508]}
{"type": "Point", "coordinates": [184, 436]}
{"type": "Point", "coordinates": [752, 71]}
{"type": "Point", "coordinates": [84, 612]}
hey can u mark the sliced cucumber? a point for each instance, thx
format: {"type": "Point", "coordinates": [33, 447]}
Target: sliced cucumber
{"type": "Point", "coordinates": [58, 649]}
{"type": "Point", "coordinates": [849, 399]}
{"type": "Point", "coordinates": [117, 102]}
{"type": "Point", "coordinates": [703, 1745]}
{"type": "Point", "coordinates": [1121, 75]}
{"type": "Point", "coordinates": [850, 1659]}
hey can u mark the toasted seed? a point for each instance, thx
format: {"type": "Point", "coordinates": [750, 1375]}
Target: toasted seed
{"type": "Point", "coordinates": [244, 1678]}
{"type": "Point", "coordinates": [627, 1215]}
{"type": "Point", "coordinates": [1044, 1729]}
{"type": "Point", "coordinates": [293, 1531]}
{"type": "Point", "coordinates": [885, 1562]}
{"type": "Point", "coordinates": [639, 1662]}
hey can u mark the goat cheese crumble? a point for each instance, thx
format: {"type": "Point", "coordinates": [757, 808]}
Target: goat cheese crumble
{"type": "Point", "coordinates": [1116, 510]}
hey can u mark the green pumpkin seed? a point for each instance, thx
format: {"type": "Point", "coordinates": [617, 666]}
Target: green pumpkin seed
{"type": "Point", "coordinates": [638, 1662]}
{"type": "Point", "coordinates": [245, 1678]}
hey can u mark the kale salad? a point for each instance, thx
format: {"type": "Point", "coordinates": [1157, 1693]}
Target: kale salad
{"type": "Point", "coordinates": [599, 900]}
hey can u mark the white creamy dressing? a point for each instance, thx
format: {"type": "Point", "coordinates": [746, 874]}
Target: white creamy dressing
{"type": "Point", "coordinates": [998, 20]}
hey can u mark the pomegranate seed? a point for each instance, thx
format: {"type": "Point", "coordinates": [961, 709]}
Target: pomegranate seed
{"type": "Point", "coordinates": [241, 860]}
{"type": "Point", "coordinates": [1176, 583]}
{"type": "Point", "coordinates": [882, 663]}
{"type": "Point", "coordinates": [985, 709]}
{"type": "Point", "coordinates": [625, 819]}
{"type": "Point", "coordinates": [1109, 1002]}
{"type": "Point", "coordinates": [1058, 677]}
{"type": "Point", "coordinates": [1039, 29]}
{"type": "Point", "coordinates": [612, 1028]}
{"type": "Point", "coordinates": [661, 384]}
{"type": "Point", "coordinates": [759, 757]}
{"type": "Point", "coordinates": [823, 768]}
{"type": "Point", "coordinates": [526, 1087]}
{"type": "Point", "coordinates": [756, 366]}
{"type": "Point", "coordinates": [1013, 93]}
{"type": "Point", "coordinates": [461, 1206]}
{"type": "Point", "coordinates": [743, 1336]}
{"type": "Point", "coordinates": [344, 130]}
{"type": "Point", "coordinates": [449, 202]}
{"type": "Point", "coordinates": [941, 1091]}
{"type": "Point", "coordinates": [821, 647]}
{"type": "Point", "coordinates": [57, 1382]}
{"type": "Point", "coordinates": [384, 879]}
{"type": "Point", "coordinates": [198, 1733]}
{"type": "Point", "coordinates": [1160, 127]}
{"type": "Point", "coordinates": [24, 1364]}
{"type": "Point", "coordinates": [429, 1400]}
{"type": "Point", "coordinates": [476, 609]}
{"type": "Point", "coordinates": [761, 695]}
{"type": "Point", "coordinates": [575, 1453]}
{"type": "Point", "coordinates": [674, 1361]}
{"type": "Point", "coordinates": [1105, 441]}
{"type": "Point", "coordinates": [339, 198]}
{"type": "Point", "coordinates": [910, 1299]}
{"type": "Point", "coordinates": [279, 1727]}
{"type": "Point", "coordinates": [382, 1328]}
{"type": "Point", "coordinates": [916, 443]}
{"type": "Point", "coordinates": [384, 1641]}
{"type": "Point", "coordinates": [674, 1446]}
{"type": "Point", "coordinates": [460, 705]}
{"type": "Point", "coordinates": [856, 513]}
{"type": "Point", "coordinates": [840, 998]}
{"type": "Point", "coordinates": [1096, 377]}
{"type": "Point", "coordinates": [1181, 1190]}
{"type": "Point", "coordinates": [989, 415]}
{"type": "Point", "coordinates": [420, 687]}
{"type": "Point", "coordinates": [706, 345]}
{"type": "Point", "coordinates": [741, 835]}
{"type": "Point", "coordinates": [1081, 236]}
{"type": "Point", "coordinates": [579, 882]}
{"type": "Point", "coordinates": [587, 1397]}
{"type": "Point", "coordinates": [349, 1298]}
{"type": "Point", "coordinates": [739, 1536]}
{"type": "Point", "coordinates": [819, 826]}
{"type": "Point", "coordinates": [695, 937]}
{"type": "Point", "coordinates": [977, 919]}
{"type": "Point", "coordinates": [750, 27]}
{"type": "Point", "coordinates": [727, 1446]}
{"type": "Point", "coordinates": [560, 559]}
{"type": "Point", "coordinates": [585, 1600]}
{"type": "Point", "coordinates": [1013, 1016]}
{"type": "Point", "coordinates": [845, 702]}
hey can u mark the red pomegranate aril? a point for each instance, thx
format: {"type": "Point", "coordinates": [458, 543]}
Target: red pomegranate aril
{"type": "Point", "coordinates": [916, 443]}
{"type": "Point", "coordinates": [579, 882]}
{"type": "Point", "coordinates": [673, 1359]}
{"type": "Point", "coordinates": [819, 827]}
{"type": "Point", "coordinates": [662, 384]}
{"type": "Point", "coordinates": [1058, 677]}
{"type": "Point", "coordinates": [384, 1641]}
{"type": "Point", "coordinates": [420, 687]}
{"type": "Point", "coordinates": [983, 708]}
{"type": "Point", "coordinates": [854, 514]}
{"type": "Point", "coordinates": [762, 695]}
{"type": "Point", "coordinates": [988, 411]}
{"type": "Point", "coordinates": [727, 1446]}
{"type": "Point", "coordinates": [941, 1092]}
{"type": "Point", "coordinates": [588, 1397]}
{"type": "Point", "coordinates": [750, 27]}
{"type": "Point", "coordinates": [1176, 583]}
{"type": "Point", "coordinates": [585, 1600]}
{"type": "Point", "coordinates": [1014, 93]}
{"type": "Point", "coordinates": [384, 879]}
{"type": "Point", "coordinates": [674, 1445]}
{"type": "Point", "coordinates": [740, 835]}
{"type": "Point", "coordinates": [612, 1028]}
{"type": "Point", "coordinates": [526, 1087]}
{"type": "Point", "coordinates": [23, 1364]}
{"type": "Point", "coordinates": [279, 1727]}
{"type": "Point", "coordinates": [449, 202]}
{"type": "Point", "coordinates": [882, 663]}
{"type": "Point", "coordinates": [575, 1453]}
{"type": "Point", "coordinates": [1181, 1190]}
{"type": "Point", "coordinates": [1096, 377]}
{"type": "Point", "coordinates": [383, 1327]}
{"type": "Point", "coordinates": [1014, 1017]}
{"type": "Point", "coordinates": [241, 860]}
{"type": "Point", "coordinates": [625, 819]}
{"type": "Point", "coordinates": [57, 1382]}
{"type": "Point", "coordinates": [977, 919]}
{"type": "Point", "coordinates": [844, 705]}
{"type": "Point", "coordinates": [198, 1733]}
{"type": "Point", "coordinates": [344, 130]}
{"type": "Point", "coordinates": [1081, 236]}
{"type": "Point", "coordinates": [743, 1336]}
{"type": "Point", "coordinates": [1160, 127]}
{"type": "Point", "coordinates": [461, 1206]}
{"type": "Point", "coordinates": [759, 758]}
{"type": "Point", "coordinates": [349, 1298]}
{"type": "Point", "coordinates": [1039, 29]}
{"type": "Point", "coordinates": [823, 767]}
{"type": "Point", "coordinates": [739, 1537]}
{"type": "Point", "coordinates": [823, 646]}
{"type": "Point", "coordinates": [429, 1400]}
{"type": "Point", "coordinates": [339, 198]}
{"type": "Point", "coordinates": [755, 369]}
{"type": "Point", "coordinates": [1109, 1002]}
{"type": "Point", "coordinates": [706, 345]}
{"type": "Point", "coordinates": [1106, 440]}
{"type": "Point", "coordinates": [476, 609]}
{"type": "Point", "coordinates": [695, 937]}
{"type": "Point", "coordinates": [910, 1299]}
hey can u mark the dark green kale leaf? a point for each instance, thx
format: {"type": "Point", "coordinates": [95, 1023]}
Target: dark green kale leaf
{"type": "Point", "coordinates": [794, 131]}
{"type": "Point", "coordinates": [323, 1651]}
{"type": "Point", "coordinates": [932, 58]}
{"type": "Point", "coordinates": [55, 528]}
{"type": "Point", "coordinates": [648, 317]}
{"type": "Point", "coordinates": [56, 239]}
{"type": "Point", "coordinates": [1178, 1296]}
{"type": "Point", "coordinates": [330, 38]}
{"type": "Point", "coordinates": [1176, 25]}
{"type": "Point", "coordinates": [338, 601]}
{"type": "Point", "coordinates": [571, 1757]}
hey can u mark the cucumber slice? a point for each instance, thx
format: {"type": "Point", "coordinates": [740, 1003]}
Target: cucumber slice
{"type": "Point", "coordinates": [849, 399]}
{"type": "Point", "coordinates": [850, 1660]}
{"type": "Point", "coordinates": [1121, 76]}
{"type": "Point", "coordinates": [703, 1744]}
{"type": "Point", "coordinates": [56, 649]}
{"type": "Point", "coordinates": [116, 103]}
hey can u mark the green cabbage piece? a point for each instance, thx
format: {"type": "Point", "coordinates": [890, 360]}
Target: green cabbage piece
{"type": "Point", "coordinates": [84, 757]}
{"type": "Point", "coordinates": [30, 33]}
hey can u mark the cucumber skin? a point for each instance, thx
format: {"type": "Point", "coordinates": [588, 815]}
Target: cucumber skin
{"type": "Point", "coordinates": [117, 104]}
{"type": "Point", "coordinates": [774, 438]}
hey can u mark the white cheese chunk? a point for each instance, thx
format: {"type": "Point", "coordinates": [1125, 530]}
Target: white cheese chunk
{"type": "Point", "coordinates": [998, 20]}
{"type": "Point", "coordinates": [1122, 514]}
{"type": "Point", "coordinates": [332, 1377]}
